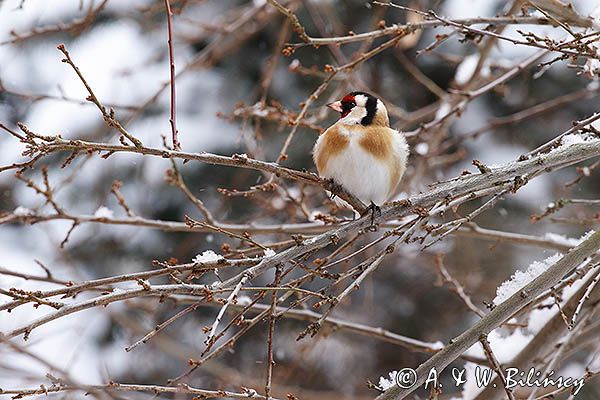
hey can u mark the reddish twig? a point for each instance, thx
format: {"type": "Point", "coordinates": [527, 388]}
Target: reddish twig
{"type": "Point", "coordinates": [174, 132]}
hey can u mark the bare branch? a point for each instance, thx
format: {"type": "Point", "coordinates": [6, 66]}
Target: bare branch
{"type": "Point", "coordinates": [499, 314]}
{"type": "Point", "coordinates": [173, 120]}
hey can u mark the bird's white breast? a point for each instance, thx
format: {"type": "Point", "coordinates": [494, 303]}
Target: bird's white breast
{"type": "Point", "coordinates": [359, 172]}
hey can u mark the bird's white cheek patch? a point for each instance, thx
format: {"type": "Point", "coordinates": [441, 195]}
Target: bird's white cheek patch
{"type": "Point", "coordinates": [355, 116]}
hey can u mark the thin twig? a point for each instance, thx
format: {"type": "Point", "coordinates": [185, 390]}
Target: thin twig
{"type": "Point", "coordinates": [457, 287]}
{"type": "Point", "coordinates": [271, 337]}
{"type": "Point", "coordinates": [108, 116]}
{"type": "Point", "coordinates": [487, 349]}
{"type": "Point", "coordinates": [232, 296]}
{"type": "Point", "coordinates": [173, 119]}
{"type": "Point", "coordinates": [584, 298]}
{"type": "Point", "coordinates": [296, 25]}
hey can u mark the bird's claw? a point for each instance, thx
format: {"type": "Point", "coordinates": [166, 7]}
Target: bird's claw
{"type": "Point", "coordinates": [333, 187]}
{"type": "Point", "coordinates": [373, 209]}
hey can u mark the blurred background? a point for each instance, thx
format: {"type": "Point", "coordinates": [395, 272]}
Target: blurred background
{"type": "Point", "coordinates": [235, 94]}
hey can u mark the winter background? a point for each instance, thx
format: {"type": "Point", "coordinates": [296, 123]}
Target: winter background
{"type": "Point", "coordinates": [123, 55]}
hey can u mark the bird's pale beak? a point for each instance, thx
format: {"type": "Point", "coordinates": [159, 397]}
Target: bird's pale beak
{"type": "Point", "coordinates": [336, 105]}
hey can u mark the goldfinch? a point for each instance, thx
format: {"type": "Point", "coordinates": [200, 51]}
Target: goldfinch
{"type": "Point", "coordinates": [361, 152]}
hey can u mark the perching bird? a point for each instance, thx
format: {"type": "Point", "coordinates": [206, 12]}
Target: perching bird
{"type": "Point", "coordinates": [361, 152]}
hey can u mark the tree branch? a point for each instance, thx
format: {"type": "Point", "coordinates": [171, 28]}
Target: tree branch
{"type": "Point", "coordinates": [498, 315]}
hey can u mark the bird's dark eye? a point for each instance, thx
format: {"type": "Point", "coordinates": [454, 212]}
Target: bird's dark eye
{"type": "Point", "coordinates": [348, 105]}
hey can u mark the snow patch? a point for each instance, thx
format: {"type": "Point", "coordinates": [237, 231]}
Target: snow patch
{"type": "Point", "coordinates": [470, 388]}
{"type": "Point", "coordinates": [504, 346]}
{"type": "Point", "coordinates": [104, 212]}
{"type": "Point", "coordinates": [555, 237]}
{"type": "Point", "coordinates": [387, 382]}
{"type": "Point", "coordinates": [570, 140]}
{"type": "Point", "coordinates": [444, 109]}
{"type": "Point", "coordinates": [269, 253]}
{"type": "Point", "coordinates": [22, 212]}
{"type": "Point", "coordinates": [466, 69]}
{"type": "Point", "coordinates": [437, 345]}
{"type": "Point", "coordinates": [521, 278]}
{"type": "Point", "coordinates": [422, 148]}
{"type": "Point", "coordinates": [244, 300]}
{"type": "Point", "coordinates": [207, 256]}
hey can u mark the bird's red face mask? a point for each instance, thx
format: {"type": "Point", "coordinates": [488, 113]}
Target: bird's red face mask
{"type": "Point", "coordinates": [343, 106]}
